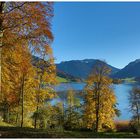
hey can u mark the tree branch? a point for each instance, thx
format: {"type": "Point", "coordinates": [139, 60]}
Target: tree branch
{"type": "Point", "coordinates": [16, 7]}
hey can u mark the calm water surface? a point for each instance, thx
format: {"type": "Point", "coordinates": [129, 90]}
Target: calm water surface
{"type": "Point", "coordinates": [121, 92]}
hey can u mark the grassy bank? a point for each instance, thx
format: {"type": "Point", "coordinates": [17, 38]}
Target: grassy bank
{"type": "Point", "coordinates": [123, 130]}
{"type": "Point", "coordinates": [129, 80]}
{"type": "Point", "coordinates": [16, 132]}
{"type": "Point", "coordinates": [61, 80]}
{"type": "Point", "coordinates": [9, 131]}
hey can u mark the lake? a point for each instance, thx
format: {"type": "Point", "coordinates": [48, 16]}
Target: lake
{"type": "Point", "coordinates": [121, 92]}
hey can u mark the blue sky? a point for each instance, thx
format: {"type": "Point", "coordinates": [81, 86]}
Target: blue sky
{"type": "Point", "coordinates": [107, 31]}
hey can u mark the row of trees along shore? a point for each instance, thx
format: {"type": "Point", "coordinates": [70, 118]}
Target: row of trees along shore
{"type": "Point", "coordinates": [25, 30]}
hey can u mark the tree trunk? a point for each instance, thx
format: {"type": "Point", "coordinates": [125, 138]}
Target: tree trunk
{"type": "Point", "coordinates": [138, 118]}
{"type": "Point", "coordinates": [16, 118]}
{"type": "Point", "coordinates": [70, 109]}
{"type": "Point", "coordinates": [17, 115]}
{"type": "Point", "coordinates": [8, 114]}
{"type": "Point", "coordinates": [36, 118]}
{"type": "Point", "coordinates": [1, 36]}
{"type": "Point", "coordinates": [38, 100]}
{"type": "Point", "coordinates": [37, 108]}
{"type": "Point", "coordinates": [97, 106]}
{"type": "Point", "coordinates": [6, 111]}
{"type": "Point", "coordinates": [97, 114]}
{"type": "Point", "coordinates": [63, 115]}
{"type": "Point", "coordinates": [22, 104]}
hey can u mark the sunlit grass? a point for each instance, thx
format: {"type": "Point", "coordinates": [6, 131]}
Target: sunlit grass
{"type": "Point", "coordinates": [5, 124]}
{"type": "Point", "coordinates": [129, 79]}
{"type": "Point", "coordinates": [61, 80]}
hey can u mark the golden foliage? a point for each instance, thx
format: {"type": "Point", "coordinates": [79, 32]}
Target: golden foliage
{"type": "Point", "coordinates": [26, 31]}
{"type": "Point", "coordinates": [100, 99]}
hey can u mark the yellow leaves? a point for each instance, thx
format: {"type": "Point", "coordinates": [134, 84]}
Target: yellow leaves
{"type": "Point", "coordinates": [48, 49]}
{"type": "Point", "coordinates": [26, 29]}
{"type": "Point", "coordinates": [100, 97]}
{"type": "Point", "coordinates": [30, 22]}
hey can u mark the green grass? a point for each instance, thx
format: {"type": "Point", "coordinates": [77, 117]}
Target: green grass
{"type": "Point", "coordinates": [9, 131]}
{"type": "Point", "coordinates": [62, 80]}
{"type": "Point", "coordinates": [83, 134]}
{"type": "Point", "coordinates": [17, 132]}
{"type": "Point", "coordinates": [129, 80]}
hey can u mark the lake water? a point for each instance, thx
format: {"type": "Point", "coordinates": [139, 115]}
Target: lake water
{"type": "Point", "coordinates": [121, 92]}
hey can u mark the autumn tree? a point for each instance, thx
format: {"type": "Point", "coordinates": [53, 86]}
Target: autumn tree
{"type": "Point", "coordinates": [25, 30]}
{"type": "Point", "coordinates": [100, 99]}
{"type": "Point", "coordinates": [27, 82]}
{"type": "Point", "coordinates": [134, 101]}
{"type": "Point", "coordinates": [72, 117]}
{"type": "Point", "coordinates": [19, 83]}
{"type": "Point", "coordinates": [22, 21]}
{"type": "Point", "coordinates": [45, 76]}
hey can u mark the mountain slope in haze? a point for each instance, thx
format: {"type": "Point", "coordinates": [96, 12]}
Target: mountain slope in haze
{"type": "Point", "coordinates": [81, 68]}
{"type": "Point", "coordinates": [131, 70]}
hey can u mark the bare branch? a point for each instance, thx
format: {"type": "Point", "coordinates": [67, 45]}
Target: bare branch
{"type": "Point", "coordinates": [16, 7]}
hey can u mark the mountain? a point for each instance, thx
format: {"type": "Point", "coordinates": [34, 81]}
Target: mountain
{"type": "Point", "coordinates": [131, 70]}
{"type": "Point", "coordinates": [76, 70]}
{"type": "Point", "coordinates": [68, 77]}
{"type": "Point", "coordinates": [60, 74]}
{"type": "Point", "coordinates": [80, 68]}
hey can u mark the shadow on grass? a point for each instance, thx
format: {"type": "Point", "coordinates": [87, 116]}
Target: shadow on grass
{"type": "Point", "coordinates": [17, 132]}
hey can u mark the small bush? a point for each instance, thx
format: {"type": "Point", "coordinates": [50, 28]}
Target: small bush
{"type": "Point", "coordinates": [123, 126]}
